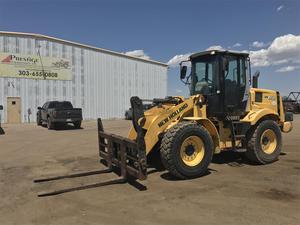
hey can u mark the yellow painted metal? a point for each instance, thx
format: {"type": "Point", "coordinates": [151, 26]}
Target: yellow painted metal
{"type": "Point", "coordinates": [132, 135]}
{"type": "Point", "coordinates": [255, 115]}
{"type": "Point", "coordinates": [192, 151]}
{"type": "Point", "coordinates": [268, 141]}
{"type": "Point", "coordinates": [269, 99]}
{"type": "Point", "coordinates": [287, 127]}
{"type": "Point", "coordinates": [225, 137]}
{"type": "Point", "coordinates": [161, 118]}
{"type": "Point", "coordinates": [267, 106]}
{"type": "Point", "coordinates": [210, 127]}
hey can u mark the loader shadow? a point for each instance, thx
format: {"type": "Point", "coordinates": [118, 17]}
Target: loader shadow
{"type": "Point", "coordinates": [130, 180]}
{"type": "Point", "coordinates": [235, 159]}
{"type": "Point", "coordinates": [169, 177]}
{"type": "Point", "coordinates": [155, 166]}
{"type": "Point", "coordinates": [231, 158]}
{"type": "Point", "coordinates": [2, 131]}
{"type": "Point", "coordinates": [116, 181]}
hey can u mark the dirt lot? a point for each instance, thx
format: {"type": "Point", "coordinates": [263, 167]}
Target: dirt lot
{"type": "Point", "coordinates": [233, 193]}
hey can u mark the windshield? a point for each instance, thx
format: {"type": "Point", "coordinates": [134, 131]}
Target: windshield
{"type": "Point", "coordinates": [204, 75]}
{"type": "Point", "coordinates": [61, 105]}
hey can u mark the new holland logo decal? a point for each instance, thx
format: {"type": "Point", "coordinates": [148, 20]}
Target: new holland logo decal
{"type": "Point", "coordinates": [172, 115]}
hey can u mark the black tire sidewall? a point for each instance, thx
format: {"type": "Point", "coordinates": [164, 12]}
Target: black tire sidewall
{"type": "Point", "coordinates": [201, 168]}
{"type": "Point", "coordinates": [77, 124]}
{"type": "Point", "coordinates": [264, 157]}
{"type": "Point", "coordinates": [38, 120]}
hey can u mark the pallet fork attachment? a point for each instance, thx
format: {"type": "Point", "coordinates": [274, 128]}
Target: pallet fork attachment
{"type": "Point", "coordinates": [116, 152]}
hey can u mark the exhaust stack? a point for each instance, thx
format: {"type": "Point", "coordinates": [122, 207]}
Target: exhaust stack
{"type": "Point", "coordinates": [255, 79]}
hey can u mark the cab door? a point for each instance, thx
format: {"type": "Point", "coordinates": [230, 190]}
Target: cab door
{"type": "Point", "coordinates": [235, 86]}
{"type": "Point", "coordinates": [206, 82]}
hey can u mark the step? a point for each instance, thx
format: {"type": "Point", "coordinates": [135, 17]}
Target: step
{"type": "Point", "coordinates": [240, 150]}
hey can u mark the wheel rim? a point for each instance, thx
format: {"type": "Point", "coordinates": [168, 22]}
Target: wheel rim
{"type": "Point", "coordinates": [192, 151]}
{"type": "Point", "coordinates": [268, 141]}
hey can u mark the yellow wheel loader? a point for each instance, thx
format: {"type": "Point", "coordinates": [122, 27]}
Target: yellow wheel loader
{"type": "Point", "coordinates": [222, 113]}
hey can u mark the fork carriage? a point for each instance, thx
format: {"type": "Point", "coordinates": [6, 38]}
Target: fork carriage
{"type": "Point", "coordinates": [123, 153]}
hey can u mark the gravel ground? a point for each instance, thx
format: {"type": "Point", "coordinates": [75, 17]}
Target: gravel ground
{"type": "Point", "coordinates": [233, 192]}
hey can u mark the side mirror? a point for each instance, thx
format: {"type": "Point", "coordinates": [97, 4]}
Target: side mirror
{"type": "Point", "coordinates": [183, 70]}
{"type": "Point", "coordinates": [1, 107]}
{"type": "Point", "coordinates": [225, 64]}
{"type": "Point", "coordinates": [39, 108]}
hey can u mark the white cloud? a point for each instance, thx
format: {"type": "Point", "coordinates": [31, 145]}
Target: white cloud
{"type": "Point", "coordinates": [177, 59]}
{"type": "Point", "coordinates": [178, 91]}
{"type": "Point", "coordinates": [138, 53]}
{"type": "Point", "coordinates": [258, 44]}
{"type": "Point", "coordinates": [283, 49]}
{"type": "Point", "coordinates": [279, 8]}
{"type": "Point", "coordinates": [287, 69]}
{"type": "Point", "coordinates": [236, 45]}
{"type": "Point", "coordinates": [215, 47]}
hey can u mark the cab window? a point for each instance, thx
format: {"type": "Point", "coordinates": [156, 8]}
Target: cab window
{"type": "Point", "coordinates": [205, 76]}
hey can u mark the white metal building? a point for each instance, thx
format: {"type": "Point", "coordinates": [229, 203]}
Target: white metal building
{"type": "Point", "coordinates": [100, 81]}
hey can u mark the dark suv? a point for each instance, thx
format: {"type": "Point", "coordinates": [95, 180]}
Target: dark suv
{"type": "Point", "coordinates": [58, 113]}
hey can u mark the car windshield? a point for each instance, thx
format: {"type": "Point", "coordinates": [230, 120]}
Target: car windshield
{"type": "Point", "coordinates": [61, 105]}
{"type": "Point", "coordinates": [204, 75]}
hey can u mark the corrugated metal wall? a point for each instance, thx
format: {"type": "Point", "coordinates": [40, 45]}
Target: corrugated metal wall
{"type": "Point", "coordinates": [102, 83]}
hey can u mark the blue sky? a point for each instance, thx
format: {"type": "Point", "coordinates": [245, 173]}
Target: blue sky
{"type": "Point", "coordinates": [163, 29]}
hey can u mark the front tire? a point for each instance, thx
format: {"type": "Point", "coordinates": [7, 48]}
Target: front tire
{"type": "Point", "coordinates": [186, 150]}
{"type": "Point", "coordinates": [264, 143]}
{"type": "Point", "coordinates": [38, 121]}
{"type": "Point", "coordinates": [126, 116]}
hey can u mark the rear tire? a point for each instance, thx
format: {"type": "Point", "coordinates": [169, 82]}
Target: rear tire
{"type": "Point", "coordinates": [77, 124]}
{"type": "Point", "coordinates": [264, 143]}
{"type": "Point", "coordinates": [186, 150]}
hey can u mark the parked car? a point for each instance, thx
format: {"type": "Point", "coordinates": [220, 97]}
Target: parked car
{"type": "Point", "coordinates": [128, 113]}
{"type": "Point", "coordinates": [55, 113]}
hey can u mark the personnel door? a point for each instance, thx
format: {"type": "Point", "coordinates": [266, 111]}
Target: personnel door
{"type": "Point", "coordinates": [13, 109]}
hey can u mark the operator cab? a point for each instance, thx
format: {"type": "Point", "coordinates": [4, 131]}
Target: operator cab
{"type": "Point", "coordinates": [223, 78]}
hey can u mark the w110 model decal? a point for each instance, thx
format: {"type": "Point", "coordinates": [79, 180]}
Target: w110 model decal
{"type": "Point", "coordinates": [172, 115]}
{"type": "Point", "coordinates": [34, 67]}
